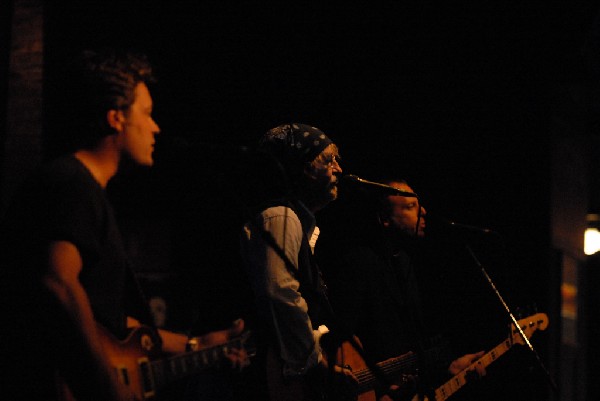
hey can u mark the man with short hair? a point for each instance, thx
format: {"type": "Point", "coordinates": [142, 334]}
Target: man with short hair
{"type": "Point", "coordinates": [374, 290]}
{"type": "Point", "coordinates": [64, 265]}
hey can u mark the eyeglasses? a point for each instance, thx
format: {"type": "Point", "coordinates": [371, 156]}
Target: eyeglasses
{"type": "Point", "coordinates": [330, 161]}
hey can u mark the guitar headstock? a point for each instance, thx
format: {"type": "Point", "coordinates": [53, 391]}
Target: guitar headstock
{"type": "Point", "coordinates": [529, 325]}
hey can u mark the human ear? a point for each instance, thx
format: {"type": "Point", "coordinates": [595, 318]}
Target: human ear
{"type": "Point", "coordinates": [116, 119]}
{"type": "Point", "coordinates": [309, 171]}
{"type": "Point", "coordinates": [385, 220]}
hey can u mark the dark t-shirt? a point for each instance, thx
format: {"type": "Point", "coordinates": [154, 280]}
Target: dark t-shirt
{"type": "Point", "coordinates": [60, 202]}
{"type": "Point", "coordinates": [370, 298]}
{"type": "Point", "coordinates": [375, 295]}
{"type": "Point", "coordinates": [63, 202]}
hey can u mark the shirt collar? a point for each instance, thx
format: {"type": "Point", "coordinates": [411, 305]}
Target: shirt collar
{"type": "Point", "coordinates": [307, 218]}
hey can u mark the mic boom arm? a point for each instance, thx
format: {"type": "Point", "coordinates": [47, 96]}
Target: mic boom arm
{"type": "Point", "coordinates": [388, 189]}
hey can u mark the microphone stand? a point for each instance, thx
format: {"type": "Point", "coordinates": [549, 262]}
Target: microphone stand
{"type": "Point", "coordinates": [513, 319]}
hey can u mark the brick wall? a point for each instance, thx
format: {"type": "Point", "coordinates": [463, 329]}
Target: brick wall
{"type": "Point", "coordinates": [23, 135]}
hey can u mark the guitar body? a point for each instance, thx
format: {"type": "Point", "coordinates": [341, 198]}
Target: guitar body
{"type": "Point", "coordinates": [303, 388]}
{"type": "Point", "coordinates": [315, 386]}
{"type": "Point", "coordinates": [347, 355]}
{"type": "Point", "coordinates": [400, 370]}
{"type": "Point", "coordinates": [310, 388]}
{"type": "Point", "coordinates": [141, 366]}
{"type": "Point", "coordinates": [281, 388]}
{"type": "Point", "coordinates": [131, 359]}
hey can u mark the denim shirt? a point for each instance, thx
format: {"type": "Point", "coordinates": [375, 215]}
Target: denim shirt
{"type": "Point", "coordinates": [279, 302]}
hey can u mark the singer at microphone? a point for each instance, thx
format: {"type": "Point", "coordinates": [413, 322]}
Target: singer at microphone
{"type": "Point", "coordinates": [383, 189]}
{"type": "Point", "coordinates": [374, 278]}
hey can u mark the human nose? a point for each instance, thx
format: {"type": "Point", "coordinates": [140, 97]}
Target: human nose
{"type": "Point", "coordinates": [155, 128]}
{"type": "Point", "coordinates": [423, 211]}
{"type": "Point", "coordinates": [335, 166]}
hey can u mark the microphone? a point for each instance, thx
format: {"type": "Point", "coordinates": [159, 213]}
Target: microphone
{"type": "Point", "coordinates": [459, 227]}
{"type": "Point", "coordinates": [473, 229]}
{"type": "Point", "coordinates": [382, 188]}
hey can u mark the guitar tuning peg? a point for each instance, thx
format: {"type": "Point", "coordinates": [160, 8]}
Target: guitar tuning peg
{"type": "Point", "coordinates": [523, 312]}
{"type": "Point", "coordinates": [519, 313]}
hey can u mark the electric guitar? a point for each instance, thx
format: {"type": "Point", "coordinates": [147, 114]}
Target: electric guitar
{"type": "Point", "coordinates": [140, 364]}
{"type": "Point", "coordinates": [316, 386]}
{"type": "Point", "coordinates": [528, 325]}
{"type": "Point", "coordinates": [406, 364]}
{"type": "Point", "coordinates": [403, 366]}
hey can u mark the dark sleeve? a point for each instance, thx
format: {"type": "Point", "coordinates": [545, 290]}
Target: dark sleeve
{"type": "Point", "coordinates": [346, 276]}
{"type": "Point", "coordinates": [73, 214]}
{"type": "Point", "coordinates": [46, 209]}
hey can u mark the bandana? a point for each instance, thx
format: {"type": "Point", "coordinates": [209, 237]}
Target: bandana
{"type": "Point", "coordinates": [299, 142]}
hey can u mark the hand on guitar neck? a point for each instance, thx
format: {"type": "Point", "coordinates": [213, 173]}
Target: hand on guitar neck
{"type": "Point", "coordinates": [528, 326]}
{"type": "Point", "coordinates": [139, 369]}
{"type": "Point", "coordinates": [465, 361]}
{"type": "Point", "coordinates": [237, 357]}
{"type": "Point", "coordinates": [404, 366]}
{"type": "Point", "coordinates": [176, 343]}
{"type": "Point", "coordinates": [406, 387]}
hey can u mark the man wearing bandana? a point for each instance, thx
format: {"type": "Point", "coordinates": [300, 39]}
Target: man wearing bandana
{"type": "Point", "coordinates": [277, 247]}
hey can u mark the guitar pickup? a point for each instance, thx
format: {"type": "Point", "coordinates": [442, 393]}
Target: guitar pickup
{"type": "Point", "coordinates": [122, 374]}
{"type": "Point", "coordinates": [146, 376]}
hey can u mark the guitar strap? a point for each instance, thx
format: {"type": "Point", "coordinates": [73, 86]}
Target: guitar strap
{"type": "Point", "coordinates": [137, 302]}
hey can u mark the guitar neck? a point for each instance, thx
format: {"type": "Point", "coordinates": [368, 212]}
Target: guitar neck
{"type": "Point", "coordinates": [443, 392]}
{"type": "Point", "coordinates": [165, 371]}
{"type": "Point", "coordinates": [406, 363]}
{"type": "Point", "coordinates": [367, 379]}
{"type": "Point", "coordinates": [526, 327]}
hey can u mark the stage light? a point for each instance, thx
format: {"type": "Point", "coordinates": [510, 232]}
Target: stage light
{"type": "Point", "coordinates": [591, 240]}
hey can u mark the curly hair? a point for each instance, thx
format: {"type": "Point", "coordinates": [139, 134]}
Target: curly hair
{"type": "Point", "coordinates": [97, 82]}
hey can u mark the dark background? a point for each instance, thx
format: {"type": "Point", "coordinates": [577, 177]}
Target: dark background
{"type": "Point", "coordinates": [462, 100]}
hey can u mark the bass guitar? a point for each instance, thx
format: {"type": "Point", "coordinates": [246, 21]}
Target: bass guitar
{"type": "Point", "coordinates": [405, 365]}
{"type": "Point", "coordinates": [528, 326]}
{"type": "Point", "coordinates": [317, 387]}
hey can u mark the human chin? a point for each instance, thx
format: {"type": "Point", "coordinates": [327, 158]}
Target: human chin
{"type": "Point", "coordinates": [145, 160]}
{"type": "Point", "coordinates": [333, 192]}
{"type": "Point", "coordinates": [149, 161]}
{"type": "Point", "coordinates": [329, 195]}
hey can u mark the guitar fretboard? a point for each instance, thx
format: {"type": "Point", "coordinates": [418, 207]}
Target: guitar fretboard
{"type": "Point", "coordinates": [528, 326]}
{"type": "Point", "coordinates": [367, 380]}
{"type": "Point", "coordinates": [406, 363]}
{"type": "Point", "coordinates": [162, 372]}
{"type": "Point", "coordinates": [453, 385]}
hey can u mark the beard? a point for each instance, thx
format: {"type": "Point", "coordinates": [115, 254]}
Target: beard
{"type": "Point", "coordinates": [327, 192]}
{"type": "Point", "coordinates": [317, 194]}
